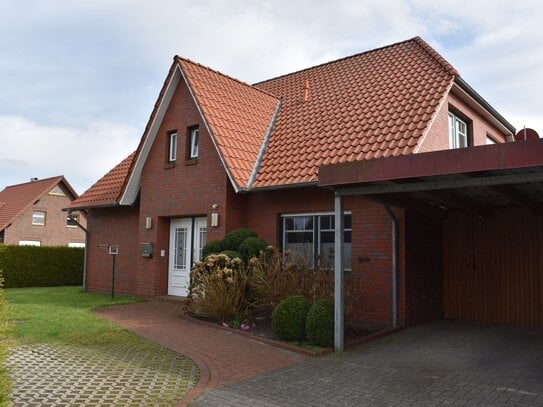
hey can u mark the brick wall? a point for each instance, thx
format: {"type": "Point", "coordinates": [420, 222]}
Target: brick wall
{"type": "Point", "coordinates": [183, 189]}
{"type": "Point", "coordinates": [424, 268]}
{"type": "Point", "coordinates": [116, 226]}
{"type": "Point", "coordinates": [438, 135]}
{"type": "Point", "coordinates": [54, 232]}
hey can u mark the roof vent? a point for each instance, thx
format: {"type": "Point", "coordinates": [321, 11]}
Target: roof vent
{"type": "Point", "coordinates": [33, 179]}
{"type": "Point", "coordinates": [306, 90]}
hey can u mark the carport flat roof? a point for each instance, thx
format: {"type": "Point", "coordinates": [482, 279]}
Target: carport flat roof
{"type": "Point", "coordinates": [509, 174]}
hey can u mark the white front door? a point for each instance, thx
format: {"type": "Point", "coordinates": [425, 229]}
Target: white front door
{"type": "Point", "coordinates": [186, 246]}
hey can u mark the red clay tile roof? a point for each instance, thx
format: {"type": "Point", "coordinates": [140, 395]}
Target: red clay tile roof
{"type": "Point", "coordinates": [375, 104]}
{"type": "Point", "coordinates": [107, 190]}
{"type": "Point", "coordinates": [15, 199]}
{"type": "Point", "coordinates": [238, 116]}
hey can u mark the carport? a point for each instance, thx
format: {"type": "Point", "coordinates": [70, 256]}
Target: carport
{"type": "Point", "coordinates": [489, 200]}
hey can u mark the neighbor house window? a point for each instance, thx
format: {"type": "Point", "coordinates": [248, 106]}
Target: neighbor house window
{"type": "Point", "coordinates": [458, 132]}
{"type": "Point", "coordinates": [57, 191]}
{"type": "Point", "coordinates": [72, 221]}
{"type": "Point", "coordinates": [29, 243]}
{"type": "Point", "coordinates": [38, 218]}
{"type": "Point", "coordinates": [172, 147]}
{"type": "Point", "coordinates": [193, 143]}
{"type": "Point", "coordinates": [311, 236]}
{"type": "Point", "coordinates": [76, 244]}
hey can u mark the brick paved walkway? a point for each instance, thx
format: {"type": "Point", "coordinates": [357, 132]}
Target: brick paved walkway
{"type": "Point", "coordinates": [222, 357]}
{"type": "Point", "coordinates": [438, 364]}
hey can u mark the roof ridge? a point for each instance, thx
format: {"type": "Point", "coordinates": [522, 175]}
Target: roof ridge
{"type": "Point", "coordinates": [28, 182]}
{"type": "Point", "coordinates": [336, 60]}
{"type": "Point", "coordinates": [226, 76]}
{"type": "Point", "coordinates": [436, 55]}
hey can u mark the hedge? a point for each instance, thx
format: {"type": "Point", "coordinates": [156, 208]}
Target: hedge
{"type": "Point", "coordinates": [31, 266]}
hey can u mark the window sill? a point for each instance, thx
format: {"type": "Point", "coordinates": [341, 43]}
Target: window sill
{"type": "Point", "coordinates": [167, 166]}
{"type": "Point", "coordinates": [191, 161]}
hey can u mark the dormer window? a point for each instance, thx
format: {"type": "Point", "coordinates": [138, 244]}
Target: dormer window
{"type": "Point", "coordinates": [458, 132]}
{"type": "Point", "coordinates": [172, 147]}
{"type": "Point", "coordinates": [193, 143]}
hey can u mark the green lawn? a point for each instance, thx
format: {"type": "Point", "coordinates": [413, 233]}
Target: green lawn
{"type": "Point", "coordinates": [62, 315]}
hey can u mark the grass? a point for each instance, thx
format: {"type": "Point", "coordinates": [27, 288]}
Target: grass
{"type": "Point", "coordinates": [62, 315]}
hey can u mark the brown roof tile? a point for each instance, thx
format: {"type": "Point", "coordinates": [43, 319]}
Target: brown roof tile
{"type": "Point", "coordinates": [370, 105]}
{"type": "Point", "coordinates": [107, 190]}
{"type": "Point", "coordinates": [16, 198]}
{"type": "Point", "coordinates": [238, 116]}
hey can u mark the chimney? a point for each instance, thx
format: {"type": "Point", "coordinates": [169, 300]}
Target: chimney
{"type": "Point", "coordinates": [33, 179]}
{"type": "Point", "coordinates": [306, 90]}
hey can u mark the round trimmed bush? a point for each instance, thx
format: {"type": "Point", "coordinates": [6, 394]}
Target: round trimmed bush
{"type": "Point", "coordinates": [320, 323]}
{"type": "Point", "coordinates": [232, 254]}
{"type": "Point", "coordinates": [213, 247]}
{"type": "Point", "coordinates": [233, 240]}
{"type": "Point", "coordinates": [251, 247]}
{"type": "Point", "coordinates": [289, 318]}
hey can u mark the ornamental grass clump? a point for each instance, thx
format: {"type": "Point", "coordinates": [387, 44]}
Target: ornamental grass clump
{"type": "Point", "coordinates": [220, 289]}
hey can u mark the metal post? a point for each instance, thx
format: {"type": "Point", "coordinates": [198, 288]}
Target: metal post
{"type": "Point", "coordinates": [113, 277]}
{"type": "Point", "coordinates": [338, 274]}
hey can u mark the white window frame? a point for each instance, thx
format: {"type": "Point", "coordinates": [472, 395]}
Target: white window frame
{"type": "Point", "coordinates": [456, 135]}
{"type": "Point", "coordinates": [29, 243]}
{"type": "Point", "coordinates": [194, 135]}
{"type": "Point", "coordinates": [34, 214]}
{"type": "Point", "coordinates": [76, 244]}
{"type": "Point", "coordinates": [317, 218]}
{"type": "Point", "coordinates": [172, 150]}
{"type": "Point", "coordinates": [490, 140]}
{"type": "Point", "coordinates": [57, 191]}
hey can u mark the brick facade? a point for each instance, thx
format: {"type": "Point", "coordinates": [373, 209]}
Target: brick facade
{"type": "Point", "coordinates": [54, 232]}
{"type": "Point", "coordinates": [190, 189]}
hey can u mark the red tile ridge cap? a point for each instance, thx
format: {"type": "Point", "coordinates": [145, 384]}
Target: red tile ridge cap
{"type": "Point", "coordinates": [418, 40]}
{"type": "Point", "coordinates": [177, 58]}
{"type": "Point", "coordinates": [58, 178]}
{"type": "Point", "coordinates": [434, 54]}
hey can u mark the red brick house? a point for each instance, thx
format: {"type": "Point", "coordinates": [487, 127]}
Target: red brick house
{"type": "Point", "coordinates": [219, 154]}
{"type": "Point", "coordinates": [31, 214]}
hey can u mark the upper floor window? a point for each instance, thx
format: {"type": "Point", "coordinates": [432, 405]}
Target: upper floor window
{"type": "Point", "coordinates": [193, 142]}
{"type": "Point", "coordinates": [72, 220]}
{"type": "Point", "coordinates": [490, 139]}
{"type": "Point", "coordinates": [172, 147]}
{"type": "Point", "coordinates": [458, 132]}
{"type": "Point", "coordinates": [57, 191]}
{"type": "Point", "coordinates": [38, 218]}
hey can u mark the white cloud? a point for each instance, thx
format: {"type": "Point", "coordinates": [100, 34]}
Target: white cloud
{"type": "Point", "coordinates": [83, 155]}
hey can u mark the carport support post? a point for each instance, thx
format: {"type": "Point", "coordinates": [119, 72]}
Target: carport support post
{"type": "Point", "coordinates": [338, 273]}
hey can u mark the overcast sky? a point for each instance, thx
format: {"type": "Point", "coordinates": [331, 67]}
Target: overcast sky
{"type": "Point", "coordinates": [78, 79]}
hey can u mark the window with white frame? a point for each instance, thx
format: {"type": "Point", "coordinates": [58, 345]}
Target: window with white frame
{"type": "Point", "coordinates": [29, 243]}
{"type": "Point", "coordinates": [38, 218]}
{"type": "Point", "coordinates": [312, 236]}
{"type": "Point", "coordinates": [490, 139]}
{"type": "Point", "coordinates": [458, 132]}
{"type": "Point", "coordinates": [72, 220]}
{"type": "Point", "coordinates": [172, 148]}
{"type": "Point", "coordinates": [193, 142]}
{"type": "Point", "coordinates": [57, 191]}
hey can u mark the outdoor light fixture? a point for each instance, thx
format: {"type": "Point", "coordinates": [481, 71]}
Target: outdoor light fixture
{"type": "Point", "coordinates": [214, 215]}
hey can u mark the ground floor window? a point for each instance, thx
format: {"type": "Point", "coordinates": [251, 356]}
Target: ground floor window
{"type": "Point", "coordinates": [29, 243]}
{"type": "Point", "coordinates": [312, 236]}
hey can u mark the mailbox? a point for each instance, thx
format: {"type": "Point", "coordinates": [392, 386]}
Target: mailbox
{"type": "Point", "coordinates": [146, 249]}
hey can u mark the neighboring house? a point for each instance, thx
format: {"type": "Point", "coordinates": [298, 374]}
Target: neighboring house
{"type": "Point", "coordinates": [219, 154]}
{"type": "Point", "coordinates": [31, 214]}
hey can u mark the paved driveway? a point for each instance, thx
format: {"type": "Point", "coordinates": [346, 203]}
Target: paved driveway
{"type": "Point", "coordinates": [438, 364]}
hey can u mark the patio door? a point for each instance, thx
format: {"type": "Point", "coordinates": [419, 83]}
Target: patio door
{"type": "Point", "coordinates": [187, 238]}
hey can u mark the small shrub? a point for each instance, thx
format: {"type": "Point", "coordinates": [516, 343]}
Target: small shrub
{"type": "Point", "coordinates": [289, 318]}
{"type": "Point", "coordinates": [212, 247]}
{"type": "Point", "coordinates": [251, 247]}
{"type": "Point", "coordinates": [320, 323]}
{"type": "Point", "coordinates": [233, 240]}
{"type": "Point", "coordinates": [232, 254]}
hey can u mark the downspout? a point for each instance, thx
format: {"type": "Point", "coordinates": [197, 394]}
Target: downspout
{"type": "Point", "coordinates": [79, 225]}
{"type": "Point", "coordinates": [395, 251]}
